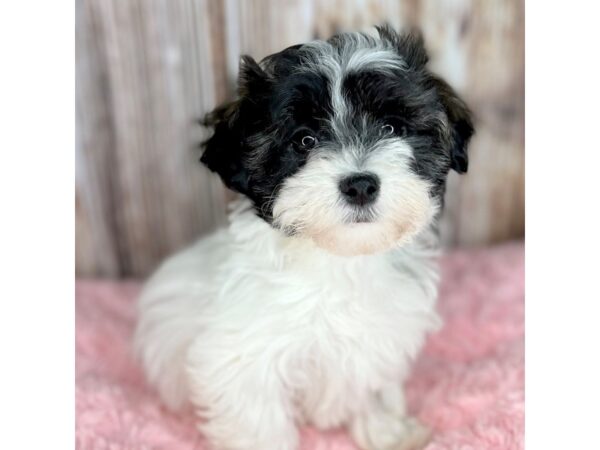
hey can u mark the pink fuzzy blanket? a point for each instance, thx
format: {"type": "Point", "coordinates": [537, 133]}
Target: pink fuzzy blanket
{"type": "Point", "coordinates": [467, 384]}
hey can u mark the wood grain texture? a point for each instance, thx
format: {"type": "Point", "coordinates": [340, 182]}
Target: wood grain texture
{"type": "Point", "coordinates": [147, 69]}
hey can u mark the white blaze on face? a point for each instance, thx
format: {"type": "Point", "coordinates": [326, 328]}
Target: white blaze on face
{"type": "Point", "coordinates": [311, 204]}
{"type": "Point", "coordinates": [357, 53]}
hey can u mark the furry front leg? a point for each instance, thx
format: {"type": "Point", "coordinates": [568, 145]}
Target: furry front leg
{"type": "Point", "coordinates": [384, 424]}
{"type": "Point", "coordinates": [240, 403]}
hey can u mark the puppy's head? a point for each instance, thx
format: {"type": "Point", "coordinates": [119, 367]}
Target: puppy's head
{"type": "Point", "coordinates": [347, 142]}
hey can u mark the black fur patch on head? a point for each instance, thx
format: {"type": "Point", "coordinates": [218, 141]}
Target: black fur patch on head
{"type": "Point", "coordinates": [257, 139]}
{"type": "Point", "coordinates": [284, 108]}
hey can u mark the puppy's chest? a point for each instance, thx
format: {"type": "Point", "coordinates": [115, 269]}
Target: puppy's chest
{"type": "Point", "coordinates": [329, 319]}
{"type": "Point", "coordinates": [356, 324]}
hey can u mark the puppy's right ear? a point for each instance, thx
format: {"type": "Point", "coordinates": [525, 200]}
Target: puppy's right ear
{"type": "Point", "coordinates": [224, 152]}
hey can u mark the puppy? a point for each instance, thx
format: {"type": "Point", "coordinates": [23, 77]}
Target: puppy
{"type": "Point", "coordinates": [311, 305]}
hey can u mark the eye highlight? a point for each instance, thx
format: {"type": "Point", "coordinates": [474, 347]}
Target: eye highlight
{"type": "Point", "coordinates": [387, 129]}
{"type": "Point", "coordinates": [397, 129]}
{"type": "Point", "coordinates": [304, 139]}
{"type": "Point", "coordinates": [308, 141]}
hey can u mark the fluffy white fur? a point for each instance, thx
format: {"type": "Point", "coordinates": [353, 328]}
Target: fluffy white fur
{"type": "Point", "coordinates": [259, 331]}
{"type": "Point", "coordinates": [309, 203]}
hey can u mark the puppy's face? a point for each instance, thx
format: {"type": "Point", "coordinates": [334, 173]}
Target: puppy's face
{"type": "Point", "coordinates": [347, 142]}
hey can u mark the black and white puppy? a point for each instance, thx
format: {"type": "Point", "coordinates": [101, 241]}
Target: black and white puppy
{"type": "Point", "coordinates": [311, 305]}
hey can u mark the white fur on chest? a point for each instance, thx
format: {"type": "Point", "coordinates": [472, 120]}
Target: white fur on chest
{"type": "Point", "coordinates": [332, 328]}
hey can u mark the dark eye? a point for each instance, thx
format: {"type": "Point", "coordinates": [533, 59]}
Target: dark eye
{"type": "Point", "coordinates": [387, 130]}
{"type": "Point", "coordinates": [397, 129]}
{"type": "Point", "coordinates": [308, 141]}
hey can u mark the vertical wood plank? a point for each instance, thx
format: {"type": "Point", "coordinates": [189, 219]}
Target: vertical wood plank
{"type": "Point", "coordinates": [96, 234]}
{"type": "Point", "coordinates": [161, 77]}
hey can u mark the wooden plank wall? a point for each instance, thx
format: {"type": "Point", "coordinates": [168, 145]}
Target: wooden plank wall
{"type": "Point", "coordinates": [146, 69]}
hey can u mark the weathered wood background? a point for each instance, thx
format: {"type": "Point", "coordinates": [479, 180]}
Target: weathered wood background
{"type": "Point", "coordinates": [146, 69]}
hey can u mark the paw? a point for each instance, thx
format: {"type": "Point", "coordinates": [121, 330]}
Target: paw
{"type": "Point", "coordinates": [416, 436]}
{"type": "Point", "coordinates": [388, 432]}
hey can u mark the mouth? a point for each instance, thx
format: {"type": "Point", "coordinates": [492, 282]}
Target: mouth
{"type": "Point", "coordinates": [361, 215]}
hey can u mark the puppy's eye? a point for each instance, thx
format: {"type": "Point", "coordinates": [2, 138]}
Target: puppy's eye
{"type": "Point", "coordinates": [398, 129]}
{"type": "Point", "coordinates": [387, 130]}
{"type": "Point", "coordinates": [308, 141]}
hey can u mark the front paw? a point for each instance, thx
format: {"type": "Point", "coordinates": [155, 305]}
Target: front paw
{"type": "Point", "coordinates": [387, 432]}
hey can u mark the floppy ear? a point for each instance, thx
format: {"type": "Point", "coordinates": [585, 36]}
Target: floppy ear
{"type": "Point", "coordinates": [460, 123]}
{"type": "Point", "coordinates": [410, 45]}
{"type": "Point", "coordinates": [224, 152]}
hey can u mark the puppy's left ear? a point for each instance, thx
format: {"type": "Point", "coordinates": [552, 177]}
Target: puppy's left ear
{"type": "Point", "coordinates": [411, 46]}
{"type": "Point", "coordinates": [460, 122]}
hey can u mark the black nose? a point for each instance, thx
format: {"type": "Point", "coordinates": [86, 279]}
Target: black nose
{"type": "Point", "coordinates": [360, 189]}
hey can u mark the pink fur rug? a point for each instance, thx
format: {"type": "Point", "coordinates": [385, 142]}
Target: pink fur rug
{"type": "Point", "coordinates": [468, 384]}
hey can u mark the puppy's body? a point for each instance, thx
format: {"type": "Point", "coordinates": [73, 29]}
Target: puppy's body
{"type": "Point", "coordinates": [259, 329]}
{"type": "Point", "coordinates": [310, 306]}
